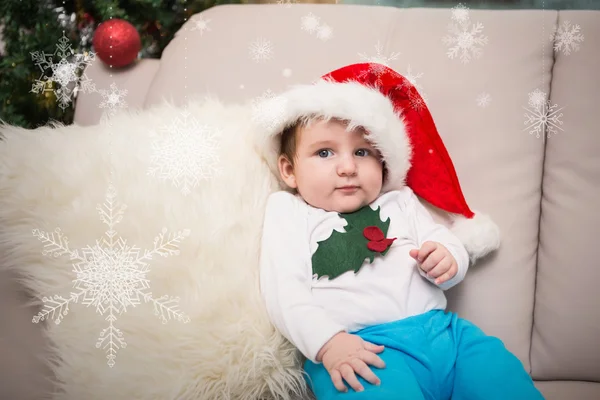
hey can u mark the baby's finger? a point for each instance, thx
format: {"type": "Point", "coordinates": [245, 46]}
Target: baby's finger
{"type": "Point", "coordinates": [336, 378]}
{"type": "Point", "coordinates": [445, 277]}
{"type": "Point", "coordinates": [363, 370]}
{"type": "Point", "coordinates": [348, 374]}
{"type": "Point", "coordinates": [374, 347]}
{"type": "Point", "coordinates": [441, 268]}
{"type": "Point", "coordinates": [432, 260]}
{"type": "Point", "coordinates": [426, 249]}
{"type": "Point", "coordinates": [413, 253]}
{"type": "Point", "coordinates": [372, 359]}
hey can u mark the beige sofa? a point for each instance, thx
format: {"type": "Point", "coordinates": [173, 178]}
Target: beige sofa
{"type": "Point", "coordinates": [539, 292]}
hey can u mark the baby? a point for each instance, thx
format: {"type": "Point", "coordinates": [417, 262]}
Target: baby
{"type": "Point", "coordinates": [353, 271]}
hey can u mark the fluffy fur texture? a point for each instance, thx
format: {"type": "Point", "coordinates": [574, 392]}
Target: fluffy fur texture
{"type": "Point", "coordinates": [55, 178]}
{"type": "Point", "coordinates": [351, 101]}
{"type": "Point", "coordinates": [479, 234]}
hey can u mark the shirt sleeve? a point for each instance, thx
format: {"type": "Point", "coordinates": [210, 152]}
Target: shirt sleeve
{"type": "Point", "coordinates": [428, 230]}
{"type": "Point", "coordinates": [285, 277]}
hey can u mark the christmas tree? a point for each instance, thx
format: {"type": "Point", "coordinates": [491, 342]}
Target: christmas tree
{"type": "Point", "coordinates": [32, 30]}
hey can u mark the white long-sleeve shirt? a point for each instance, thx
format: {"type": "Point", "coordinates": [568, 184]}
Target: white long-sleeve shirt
{"type": "Point", "coordinates": [309, 311]}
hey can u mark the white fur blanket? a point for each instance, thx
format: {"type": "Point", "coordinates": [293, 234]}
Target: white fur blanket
{"type": "Point", "coordinates": [113, 265]}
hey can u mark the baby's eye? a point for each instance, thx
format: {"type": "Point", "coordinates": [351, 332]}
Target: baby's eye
{"type": "Point", "coordinates": [323, 153]}
{"type": "Point", "coordinates": [362, 152]}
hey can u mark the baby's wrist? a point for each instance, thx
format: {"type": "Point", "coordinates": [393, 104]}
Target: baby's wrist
{"type": "Point", "coordinates": [327, 346]}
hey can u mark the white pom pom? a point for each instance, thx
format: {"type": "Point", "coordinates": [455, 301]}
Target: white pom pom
{"type": "Point", "coordinates": [480, 235]}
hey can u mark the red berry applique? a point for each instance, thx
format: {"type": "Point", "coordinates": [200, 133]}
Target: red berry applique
{"type": "Point", "coordinates": [377, 241]}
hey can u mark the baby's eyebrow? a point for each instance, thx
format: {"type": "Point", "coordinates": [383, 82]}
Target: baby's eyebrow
{"type": "Point", "coordinates": [322, 143]}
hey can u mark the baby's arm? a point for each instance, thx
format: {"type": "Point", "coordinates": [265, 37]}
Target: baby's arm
{"type": "Point", "coordinates": [428, 230]}
{"type": "Point", "coordinates": [285, 278]}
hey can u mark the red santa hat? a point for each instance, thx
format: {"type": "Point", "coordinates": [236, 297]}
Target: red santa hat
{"type": "Point", "coordinates": [399, 125]}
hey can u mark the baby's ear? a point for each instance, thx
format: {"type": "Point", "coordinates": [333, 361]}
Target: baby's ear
{"type": "Point", "coordinates": [286, 171]}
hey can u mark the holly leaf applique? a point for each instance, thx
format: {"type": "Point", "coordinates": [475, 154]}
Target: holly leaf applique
{"type": "Point", "coordinates": [364, 238]}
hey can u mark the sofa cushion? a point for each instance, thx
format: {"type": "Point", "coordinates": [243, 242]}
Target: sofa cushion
{"type": "Point", "coordinates": [567, 313]}
{"type": "Point", "coordinates": [135, 79]}
{"type": "Point", "coordinates": [561, 390]}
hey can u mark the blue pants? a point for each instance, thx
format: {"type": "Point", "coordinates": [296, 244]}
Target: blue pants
{"type": "Point", "coordinates": [434, 356]}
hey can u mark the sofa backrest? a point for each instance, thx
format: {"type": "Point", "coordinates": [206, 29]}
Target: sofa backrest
{"type": "Point", "coordinates": [566, 326]}
{"type": "Point", "coordinates": [482, 74]}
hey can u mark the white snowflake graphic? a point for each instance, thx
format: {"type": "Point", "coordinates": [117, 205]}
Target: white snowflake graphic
{"type": "Point", "coordinates": [377, 70]}
{"type": "Point", "coordinates": [261, 50]}
{"type": "Point", "coordinates": [416, 102]}
{"type": "Point", "coordinates": [269, 109]}
{"type": "Point", "coordinates": [413, 77]}
{"type": "Point", "coordinates": [460, 13]}
{"type": "Point", "coordinates": [567, 38]}
{"type": "Point", "coordinates": [112, 99]}
{"type": "Point", "coordinates": [465, 39]}
{"type": "Point", "coordinates": [111, 276]}
{"type": "Point", "coordinates": [68, 73]}
{"type": "Point", "coordinates": [536, 98]}
{"type": "Point", "coordinates": [309, 23]}
{"type": "Point", "coordinates": [483, 99]}
{"type": "Point", "coordinates": [185, 152]}
{"type": "Point", "coordinates": [325, 32]}
{"type": "Point", "coordinates": [286, 3]}
{"type": "Point", "coordinates": [379, 58]}
{"type": "Point", "coordinates": [542, 115]}
{"type": "Point", "coordinates": [200, 24]}
{"type": "Point", "coordinates": [312, 24]}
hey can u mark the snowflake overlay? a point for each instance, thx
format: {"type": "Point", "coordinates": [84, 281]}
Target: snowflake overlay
{"type": "Point", "coordinates": [69, 72]}
{"type": "Point", "coordinates": [200, 24]}
{"type": "Point", "coordinates": [261, 50]}
{"type": "Point", "coordinates": [460, 13]}
{"type": "Point", "coordinates": [112, 100]}
{"type": "Point", "coordinates": [286, 3]}
{"type": "Point", "coordinates": [379, 58]}
{"type": "Point", "coordinates": [185, 152]}
{"type": "Point", "coordinates": [416, 102]}
{"type": "Point", "coordinates": [542, 115]}
{"type": "Point", "coordinates": [110, 276]}
{"type": "Point", "coordinates": [378, 64]}
{"type": "Point", "coordinates": [567, 38]}
{"type": "Point", "coordinates": [268, 110]}
{"type": "Point", "coordinates": [483, 99]}
{"type": "Point", "coordinates": [325, 32]}
{"type": "Point", "coordinates": [311, 24]}
{"type": "Point", "coordinates": [465, 39]}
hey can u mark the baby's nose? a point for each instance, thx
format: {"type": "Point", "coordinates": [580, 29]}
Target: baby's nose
{"type": "Point", "coordinates": [347, 166]}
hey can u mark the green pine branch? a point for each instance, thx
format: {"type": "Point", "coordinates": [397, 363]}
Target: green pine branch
{"type": "Point", "coordinates": [30, 26]}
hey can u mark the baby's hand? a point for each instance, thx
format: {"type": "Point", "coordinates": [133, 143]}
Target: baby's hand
{"type": "Point", "coordinates": [344, 354]}
{"type": "Point", "coordinates": [435, 259]}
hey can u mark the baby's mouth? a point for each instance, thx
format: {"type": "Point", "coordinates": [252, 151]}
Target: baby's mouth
{"type": "Point", "coordinates": [348, 189]}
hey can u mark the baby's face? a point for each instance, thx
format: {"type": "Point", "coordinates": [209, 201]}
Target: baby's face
{"type": "Point", "coordinates": [329, 159]}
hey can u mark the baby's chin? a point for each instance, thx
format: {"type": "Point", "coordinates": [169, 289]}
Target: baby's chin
{"type": "Point", "coordinates": [345, 206]}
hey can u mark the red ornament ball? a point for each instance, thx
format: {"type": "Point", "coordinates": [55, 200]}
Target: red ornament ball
{"type": "Point", "coordinates": [117, 42]}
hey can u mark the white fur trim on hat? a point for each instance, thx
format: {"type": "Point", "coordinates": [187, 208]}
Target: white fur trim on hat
{"type": "Point", "coordinates": [352, 101]}
{"type": "Point", "coordinates": [479, 234]}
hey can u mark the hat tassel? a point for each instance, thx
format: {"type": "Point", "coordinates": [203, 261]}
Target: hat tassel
{"type": "Point", "coordinates": [479, 234]}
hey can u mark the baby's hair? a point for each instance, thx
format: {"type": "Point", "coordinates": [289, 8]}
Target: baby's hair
{"type": "Point", "coordinates": [289, 137]}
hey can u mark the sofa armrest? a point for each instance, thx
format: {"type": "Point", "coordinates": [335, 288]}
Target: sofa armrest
{"type": "Point", "coordinates": [136, 79]}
